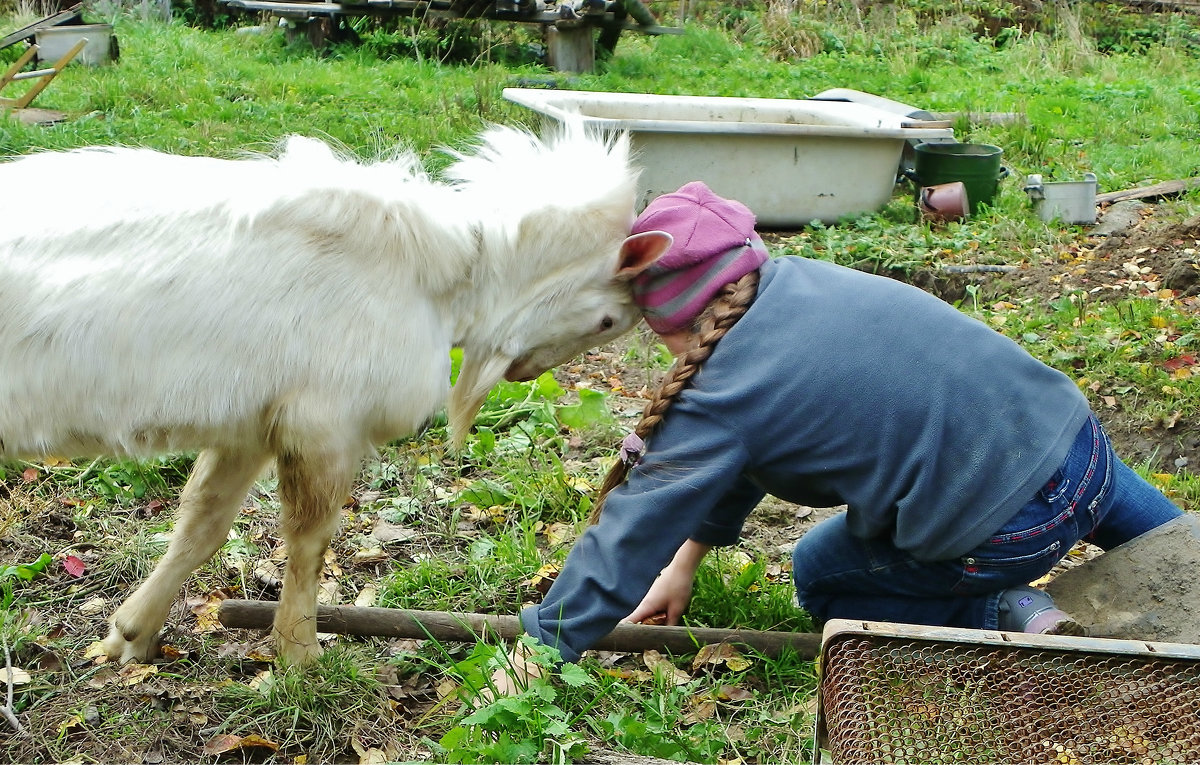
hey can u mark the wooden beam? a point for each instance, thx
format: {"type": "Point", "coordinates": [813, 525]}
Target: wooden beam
{"type": "Point", "coordinates": [470, 628]}
{"type": "Point", "coordinates": [301, 9]}
{"type": "Point", "coordinates": [72, 15]}
{"type": "Point", "coordinates": [1156, 191]}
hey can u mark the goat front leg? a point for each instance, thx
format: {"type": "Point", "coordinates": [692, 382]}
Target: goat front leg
{"type": "Point", "coordinates": [209, 503]}
{"type": "Point", "coordinates": [312, 488]}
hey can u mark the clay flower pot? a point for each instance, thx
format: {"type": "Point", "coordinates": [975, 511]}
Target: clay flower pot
{"type": "Point", "coordinates": [944, 202]}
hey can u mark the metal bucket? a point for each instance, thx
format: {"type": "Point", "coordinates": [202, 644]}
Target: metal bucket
{"type": "Point", "coordinates": [1067, 201]}
{"type": "Point", "coordinates": [976, 165]}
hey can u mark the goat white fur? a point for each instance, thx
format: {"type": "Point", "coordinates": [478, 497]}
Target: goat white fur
{"type": "Point", "coordinates": [296, 309]}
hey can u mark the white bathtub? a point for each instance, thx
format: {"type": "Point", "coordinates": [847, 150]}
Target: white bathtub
{"type": "Point", "coordinates": [790, 161]}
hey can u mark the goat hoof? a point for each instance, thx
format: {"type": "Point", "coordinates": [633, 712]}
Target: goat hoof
{"type": "Point", "coordinates": [140, 649]}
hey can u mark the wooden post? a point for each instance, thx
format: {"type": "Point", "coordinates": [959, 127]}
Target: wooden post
{"type": "Point", "coordinates": [570, 48]}
{"type": "Point", "coordinates": [469, 628]}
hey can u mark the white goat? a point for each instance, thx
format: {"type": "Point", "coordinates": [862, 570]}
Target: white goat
{"type": "Point", "coordinates": [299, 309]}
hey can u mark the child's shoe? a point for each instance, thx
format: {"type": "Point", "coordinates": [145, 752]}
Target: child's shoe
{"type": "Point", "coordinates": [1028, 609]}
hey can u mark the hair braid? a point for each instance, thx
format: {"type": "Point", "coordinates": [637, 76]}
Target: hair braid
{"type": "Point", "coordinates": [711, 325]}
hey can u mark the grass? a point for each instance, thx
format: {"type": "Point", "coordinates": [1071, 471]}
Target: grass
{"type": "Point", "coordinates": [481, 531]}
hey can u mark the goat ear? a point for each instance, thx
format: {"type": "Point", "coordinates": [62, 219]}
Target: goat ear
{"type": "Point", "coordinates": [639, 251]}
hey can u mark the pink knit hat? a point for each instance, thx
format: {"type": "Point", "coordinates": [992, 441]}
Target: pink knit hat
{"type": "Point", "coordinates": [715, 244]}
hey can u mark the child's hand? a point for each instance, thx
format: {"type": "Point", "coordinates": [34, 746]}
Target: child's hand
{"type": "Point", "coordinates": [672, 590]}
{"type": "Point", "coordinates": [668, 597]}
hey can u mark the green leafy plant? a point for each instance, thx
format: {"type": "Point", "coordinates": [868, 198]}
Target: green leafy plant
{"type": "Point", "coordinates": [25, 571]}
{"type": "Point", "coordinates": [524, 727]}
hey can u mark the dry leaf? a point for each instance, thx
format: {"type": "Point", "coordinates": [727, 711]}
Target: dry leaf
{"type": "Point", "coordinates": [205, 608]}
{"type": "Point", "coordinates": [366, 597]}
{"type": "Point", "coordinates": [261, 680]}
{"type": "Point", "coordinates": [327, 593]}
{"type": "Point", "coordinates": [544, 577]}
{"type": "Point", "coordinates": [393, 532]}
{"type": "Point", "coordinates": [733, 693]}
{"type": "Point", "coordinates": [268, 573]}
{"type": "Point", "coordinates": [227, 743]}
{"type": "Point", "coordinates": [14, 675]}
{"type": "Point", "coordinates": [370, 555]}
{"type": "Point", "coordinates": [557, 533]}
{"type": "Point", "coordinates": [447, 688]}
{"type": "Point", "coordinates": [636, 675]}
{"type": "Point", "coordinates": [703, 710]}
{"type": "Point", "coordinates": [93, 606]}
{"type": "Point", "coordinates": [102, 677]}
{"type": "Point", "coordinates": [658, 663]}
{"type": "Point", "coordinates": [171, 653]}
{"type": "Point", "coordinates": [96, 651]}
{"type": "Point", "coordinates": [331, 563]}
{"type": "Point", "coordinates": [369, 755]}
{"type": "Point", "coordinates": [132, 674]}
{"type": "Point", "coordinates": [69, 724]}
{"type": "Point", "coordinates": [716, 654]}
{"type": "Point", "coordinates": [73, 566]}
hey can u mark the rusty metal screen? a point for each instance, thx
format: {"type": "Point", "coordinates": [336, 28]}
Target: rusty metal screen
{"type": "Point", "coordinates": [908, 694]}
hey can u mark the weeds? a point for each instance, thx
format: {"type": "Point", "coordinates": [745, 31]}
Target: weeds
{"type": "Point", "coordinates": [312, 708]}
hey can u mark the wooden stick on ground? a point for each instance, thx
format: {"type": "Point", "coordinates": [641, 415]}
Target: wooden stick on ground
{"type": "Point", "coordinates": [7, 710]}
{"type": "Point", "coordinates": [469, 628]}
{"type": "Point", "coordinates": [1156, 191]}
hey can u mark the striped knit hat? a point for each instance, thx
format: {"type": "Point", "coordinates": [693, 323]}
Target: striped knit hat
{"type": "Point", "coordinates": [715, 244]}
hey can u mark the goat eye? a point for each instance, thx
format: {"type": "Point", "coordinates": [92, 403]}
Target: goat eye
{"type": "Point", "coordinates": [606, 323]}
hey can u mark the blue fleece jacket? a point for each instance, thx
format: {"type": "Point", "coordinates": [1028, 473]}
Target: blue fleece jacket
{"type": "Point", "coordinates": [835, 387]}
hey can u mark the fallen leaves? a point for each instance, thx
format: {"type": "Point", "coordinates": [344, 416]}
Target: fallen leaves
{"type": "Point", "coordinates": [222, 743]}
{"type": "Point", "coordinates": [206, 607]}
{"type": "Point", "coordinates": [665, 668]}
{"type": "Point", "coordinates": [73, 566]}
{"type": "Point", "coordinates": [387, 532]}
{"type": "Point", "coordinates": [127, 675]}
{"type": "Point", "coordinates": [718, 654]}
{"type": "Point", "coordinates": [14, 676]}
{"type": "Point", "coordinates": [543, 578]}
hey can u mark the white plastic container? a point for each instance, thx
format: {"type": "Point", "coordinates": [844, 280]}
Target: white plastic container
{"type": "Point", "coordinates": [1067, 201]}
{"type": "Point", "coordinates": [54, 42]}
{"type": "Point", "coordinates": [790, 161]}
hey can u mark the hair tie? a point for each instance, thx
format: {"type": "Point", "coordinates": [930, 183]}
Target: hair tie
{"type": "Point", "coordinates": [632, 449]}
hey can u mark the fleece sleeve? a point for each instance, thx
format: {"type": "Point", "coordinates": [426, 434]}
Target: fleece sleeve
{"type": "Point", "coordinates": [723, 527]}
{"type": "Point", "coordinates": [693, 461]}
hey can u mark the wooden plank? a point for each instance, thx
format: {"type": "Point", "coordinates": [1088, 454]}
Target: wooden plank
{"type": "Point", "coordinates": [1155, 191]}
{"type": "Point", "coordinates": [469, 628]}
{"type": "Point", "coordinates": [301, 9]}
{"type": "Point", "coordinates": [46, 75]}
{"type": "Point", "coordinates": [72, 15]}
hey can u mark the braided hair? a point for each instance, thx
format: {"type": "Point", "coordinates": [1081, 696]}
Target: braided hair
{"type": "Point", "coordinates": [722, 312]}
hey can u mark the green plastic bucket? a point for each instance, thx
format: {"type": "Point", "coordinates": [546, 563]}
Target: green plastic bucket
{"type": "Point", "coordinates": [976, 165]}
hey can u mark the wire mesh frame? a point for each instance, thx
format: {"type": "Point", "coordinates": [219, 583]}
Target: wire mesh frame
{"type": "Point", "coordinates": [893, 693]}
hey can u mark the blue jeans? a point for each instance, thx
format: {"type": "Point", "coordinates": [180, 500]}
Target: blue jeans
{"type": "Point", "coordinates": [1092, 496]}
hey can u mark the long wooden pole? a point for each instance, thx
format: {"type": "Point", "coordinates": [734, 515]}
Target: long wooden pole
{"type": "Point", "coordinates": [468, 628]}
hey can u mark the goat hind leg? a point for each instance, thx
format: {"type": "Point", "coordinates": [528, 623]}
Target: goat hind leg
{"type": "Point", "coordinates": [312, 488]}
{"type": "Point", "coordinates": [209, 503]}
